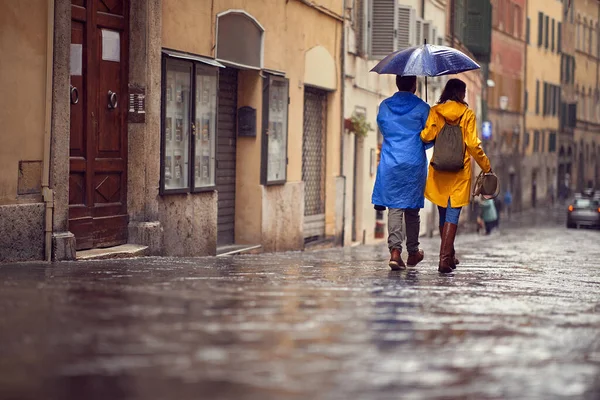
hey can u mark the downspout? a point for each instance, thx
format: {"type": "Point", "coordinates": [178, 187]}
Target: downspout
{"type": "Point", "coordinates": [47, 193]}
{"type": "Point", "coordinates": [523, 150]}
{"type": "Point", "coordinates": [343, 105]}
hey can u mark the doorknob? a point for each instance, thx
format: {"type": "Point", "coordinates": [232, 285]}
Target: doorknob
{"type": "Point", "coordinates": [113, 100]}
{"type": "Point", "coordinates": [74, 95]}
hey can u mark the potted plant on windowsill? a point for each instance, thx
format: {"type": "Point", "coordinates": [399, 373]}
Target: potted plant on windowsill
{"type": "Point", "coordinates": [358, 125]}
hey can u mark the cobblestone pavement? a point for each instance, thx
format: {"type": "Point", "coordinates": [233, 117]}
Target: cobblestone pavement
{"type": "Point", "coordinates": [520, 318]}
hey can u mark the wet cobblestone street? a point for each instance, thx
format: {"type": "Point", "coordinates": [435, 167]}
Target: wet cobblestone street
{"type": "Point", "coordinates": [520, 318]}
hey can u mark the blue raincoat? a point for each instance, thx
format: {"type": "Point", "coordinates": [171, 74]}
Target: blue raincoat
{"type": "Point", "coordinates": [402, 170]}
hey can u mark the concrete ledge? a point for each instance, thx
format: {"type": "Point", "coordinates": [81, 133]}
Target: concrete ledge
{"type": "Point", "coordinates": [22, 232]}
{"type": "Point", "coordinates": [146, 234]}
{"type": "Point", "coordinates": [122, 251]}
{"type": "Point", "coordinates": [63, 246]}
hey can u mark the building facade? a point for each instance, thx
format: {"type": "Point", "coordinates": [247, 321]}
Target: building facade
{"type": "Point", "coordinates": [184, 126]}
{"type": "Point", "coordinates": [568, 105]}
{"type": "Point", "coordinates": [586, 171]}
{"type": "Point", "coordinates": [505, 94]}
{"type": "Point", "coordinates": [370, 27]}
{"type": "Point", "coordinates": [539, 144]}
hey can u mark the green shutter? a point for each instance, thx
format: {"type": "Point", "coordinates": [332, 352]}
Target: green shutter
{"type": "Point", "coordinates": [540, 29]}
{"type": "Point", "coordinates": [478, 29]}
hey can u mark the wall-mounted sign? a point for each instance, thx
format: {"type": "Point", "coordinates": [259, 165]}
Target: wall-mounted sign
{"type": "Point", "coordinates": [247, 122]}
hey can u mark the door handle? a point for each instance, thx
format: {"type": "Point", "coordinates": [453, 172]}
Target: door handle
{"type": "Point", "coordinates": [74, 95]}
{"type": "Point", "coordinates": [113, 100]}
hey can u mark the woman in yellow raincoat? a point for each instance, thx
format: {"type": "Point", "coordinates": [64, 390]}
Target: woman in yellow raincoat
{"type": "Point", "coordinates": [450, 191]}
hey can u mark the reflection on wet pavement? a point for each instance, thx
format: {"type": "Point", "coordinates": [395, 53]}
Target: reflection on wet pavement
{"type": "Point", "coordinates": [520, 318]}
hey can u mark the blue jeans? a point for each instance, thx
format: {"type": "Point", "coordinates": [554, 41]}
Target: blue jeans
{"type": "Point", "coordinates": [449, 214]}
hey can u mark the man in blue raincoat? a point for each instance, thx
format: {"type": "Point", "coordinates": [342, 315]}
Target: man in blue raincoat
{"type": "Point", "coordinates": [402, 170]}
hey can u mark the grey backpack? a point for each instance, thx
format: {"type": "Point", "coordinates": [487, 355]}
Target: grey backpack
{"type": "Point", "coordinates": [449, 150]}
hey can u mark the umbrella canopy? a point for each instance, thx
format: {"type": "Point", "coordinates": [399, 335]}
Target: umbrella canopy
{"type": "Point", "coordinates": [426, 60]}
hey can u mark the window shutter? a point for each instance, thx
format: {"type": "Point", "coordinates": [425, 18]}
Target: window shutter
{"type": "Point", "coordinates": [526, 105]}
{"type": "Point", "coordinates": [537, 97]}
{"type": "Point", "coordinates": [540, 29]}
{"type": "Point", "coordinates": [418, 32]}
{"type": "Point", "coordinates": [527, 31]}
{"type": "Point", "coordinates": [382, 38]}
{"type": "Point", "coordinates": [433, 36]}
{"type": "Point", "coordinates": [440, 41]}
{"type": "Point", "coordinates": [404, 24]}
{"type": "Point", "coordinates": [546, 31]}
{"type": "Point", "coordinates": [553, 33]}
{"type": "Point", "coordinates": [544, 99]}
{"type": "Point", "coordinates": [559, 40]}
{"type": "Point", "coordinates": [360, 26]}
{"type": "Point", "coordinates": [478, 29]}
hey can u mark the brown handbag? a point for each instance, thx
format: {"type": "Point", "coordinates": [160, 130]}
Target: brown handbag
{"type": "Point", "coordinates": [487, 185]}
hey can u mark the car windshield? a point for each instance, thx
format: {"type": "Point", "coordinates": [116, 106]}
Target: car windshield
{"type": "Point", "coordinates": [586, 203]}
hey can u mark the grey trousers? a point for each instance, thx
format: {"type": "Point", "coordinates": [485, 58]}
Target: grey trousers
{"type": "Point", "coordinates": [396, 230]}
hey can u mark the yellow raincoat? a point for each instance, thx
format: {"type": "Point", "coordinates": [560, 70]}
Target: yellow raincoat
{"type": "Point", "coordinates": [456, 186]}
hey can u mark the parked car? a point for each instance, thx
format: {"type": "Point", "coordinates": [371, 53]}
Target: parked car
{"type": "Point", "coordinates": [584, 211]}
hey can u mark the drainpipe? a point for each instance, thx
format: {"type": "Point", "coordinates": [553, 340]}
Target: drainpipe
{"type": "Point", "coordinates": [47, 193]}
{"type": "Point", "coordinates": [343, 105]}
{"type": "Point", "coordinates": [519, 199]}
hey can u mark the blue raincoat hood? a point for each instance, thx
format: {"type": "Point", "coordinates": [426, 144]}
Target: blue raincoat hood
{"type": "Point", "coordinates": [402, 170]}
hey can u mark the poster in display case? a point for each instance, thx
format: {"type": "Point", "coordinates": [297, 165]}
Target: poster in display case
{"type": "Point", "coordinates": [189, 124]}
{"type": "Point", "coordinates": [275, 117]}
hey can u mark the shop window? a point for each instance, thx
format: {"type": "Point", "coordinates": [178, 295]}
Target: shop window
{"type": "Point", "coordinates": [275, 130]}
{"type": "Point", "coordinates": [189, 119]}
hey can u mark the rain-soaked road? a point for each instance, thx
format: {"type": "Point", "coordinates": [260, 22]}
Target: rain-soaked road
{"type": "Point", "coordinates": [520, 318]}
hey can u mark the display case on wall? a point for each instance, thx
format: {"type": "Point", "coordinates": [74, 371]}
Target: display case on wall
{"type": "Point", "coordinates": [189, 110]}
{"type": "Point", "coordinates": [275, 130]}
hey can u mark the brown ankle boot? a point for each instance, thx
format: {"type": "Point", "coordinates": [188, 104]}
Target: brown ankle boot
{"type": "Point", "coordinates": [396, 263]}
{"type": "Point", "coordinates": [415, 258]}
{"type": "Point", "coordinates": [446, 261]}
{"type": "Point", "coordinates": [454, 259]}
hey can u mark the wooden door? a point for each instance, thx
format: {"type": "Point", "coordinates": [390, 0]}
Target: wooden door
{"type": "Point", "coordinates": [98, 138]}
{"type": "Point", "coordinates": [226, 153]}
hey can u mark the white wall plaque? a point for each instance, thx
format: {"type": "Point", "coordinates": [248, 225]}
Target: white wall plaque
{"type": "Point", "coordinates": [76, 59]}
{"type": "Point", "coordinates": [111, 45]}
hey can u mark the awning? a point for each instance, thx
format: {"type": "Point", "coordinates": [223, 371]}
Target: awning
{"type": "Point", "coordinates": [186, 56]}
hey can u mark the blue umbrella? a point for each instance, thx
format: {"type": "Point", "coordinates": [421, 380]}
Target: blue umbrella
{"type": "Point", "coordinates": [426, 60]}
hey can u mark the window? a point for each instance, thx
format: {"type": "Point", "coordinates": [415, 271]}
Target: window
{"type": "Point", "coordinates": [189, 109]}
{"type": "Point", "coordinates": [526, 141]}
{"type": "Point", "coordinates": [543, 147]}
{"type": "Point", "coordinates": [275, 119]}
{"type": "Point", "coordinates": [537, 97]}
{"type": "Point", "coordinates": [518, 22]}
{"type": "Point", "coordinates": [526, 107]}
{"type": "Point", "coordinates": [553, 34]}
{"type": "Point", "coordinates": [536, 141]}
{"type": "Point", "coordinates": [546, 31]}
{"type": "Point", "coordinates": [552, 142]}
{"type": "Point", "coordinates": [527, 31]}
{"type": "Point", "coordinates": [390, 27]}
{"type": "Point", "coordinates": [545, 100]}
{"type": "Point", "coordinates": [559, 39]}
{"type": "Point", "coordinates": [591, 41]}
{"type": "Point", "coordinates": [540, 29]}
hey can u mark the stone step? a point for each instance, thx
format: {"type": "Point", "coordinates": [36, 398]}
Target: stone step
{"type": "Point", "coordinates": [122, 251]}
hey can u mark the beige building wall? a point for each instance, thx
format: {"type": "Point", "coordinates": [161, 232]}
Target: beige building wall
{"type": "Point", "coordinates": [586, 170]}
{"type": "Point", "coordinates": [543, 65]}
{"type": "Point", "coordinates": [291, 30]}
{"type": "Point", "coordinates": [23, 35]}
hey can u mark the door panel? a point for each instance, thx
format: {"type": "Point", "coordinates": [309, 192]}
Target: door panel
{"type": "Point", "coordinates": [98, 156]}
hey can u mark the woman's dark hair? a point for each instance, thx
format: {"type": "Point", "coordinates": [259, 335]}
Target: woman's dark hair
{"type": "Point", "coordinates": [455, 91]}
